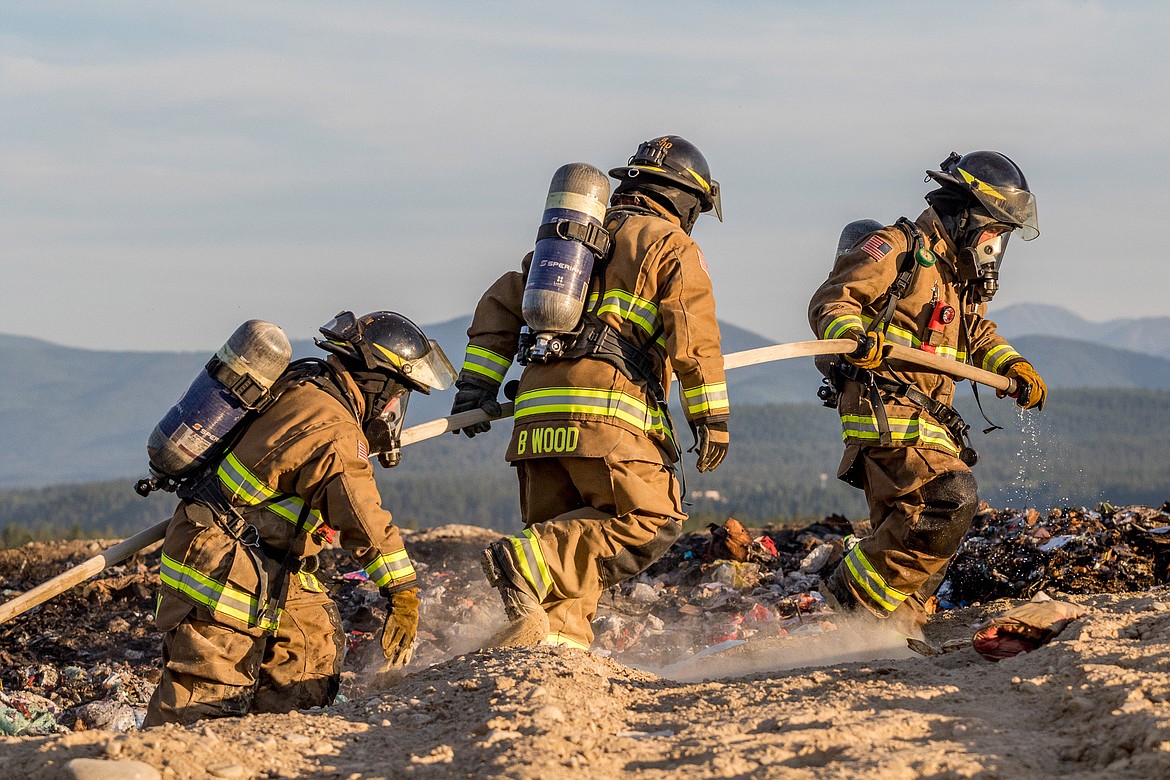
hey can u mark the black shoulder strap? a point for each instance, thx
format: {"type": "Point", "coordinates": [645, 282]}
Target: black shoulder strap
{"type": "Point", "coordinates": [321, 374]}
{"type": "Point", "coordinates": [907, 272]}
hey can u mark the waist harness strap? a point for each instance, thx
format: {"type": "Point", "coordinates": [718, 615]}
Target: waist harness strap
{"type": "Point", "coordinates": [876, 385]}
{"type": "Point", "coordinates": [597, 339]}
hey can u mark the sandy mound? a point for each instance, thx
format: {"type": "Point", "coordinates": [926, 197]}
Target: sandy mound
{"type": "Point", "coordinates": [1092, 703]}
{"type": "Point", "coordinates": [797, 693]}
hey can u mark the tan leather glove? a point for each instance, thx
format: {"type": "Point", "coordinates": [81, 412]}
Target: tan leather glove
{"type": "Point", "coordinates": [711, 441]}
{"type": "Point", "coordinates": [1031, 392]}
{"type": "Point", "coordinates": [401, 627]}
{"type": "Point", "coordinates": [869, 349]}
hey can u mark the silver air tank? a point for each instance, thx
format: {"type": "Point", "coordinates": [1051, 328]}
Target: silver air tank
{"type": "Point", "coordinates": [235, 381]}
{"type": "Point", "coordinates": [562, 262]}
{"type": "Point", "coordinates": [852, 233]}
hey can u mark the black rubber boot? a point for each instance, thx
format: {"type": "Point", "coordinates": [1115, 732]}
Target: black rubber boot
{"type": "Point", "coordinates": [528, 623]}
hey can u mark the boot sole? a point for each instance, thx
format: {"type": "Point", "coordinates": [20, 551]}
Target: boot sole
{"type": "Point", "coordinates": [491, 570]}
{"type": "Point", "coordinates": [529, 629]}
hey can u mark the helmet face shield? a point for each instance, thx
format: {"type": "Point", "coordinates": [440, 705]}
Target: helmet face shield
{"type": "Point", "coordinates": [1011, 205]}
{"type": "Point", "coordinates": [431, 371]}
{"type": "Point", "coordinates": [716, 201]}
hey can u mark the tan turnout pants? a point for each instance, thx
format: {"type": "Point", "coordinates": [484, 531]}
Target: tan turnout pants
{"type": "Point", "coordinates": [212, 670]}
{"type": "Point", "coordinates": [594, 524]}
{"type": "Point", "coordinates": [921, 503]}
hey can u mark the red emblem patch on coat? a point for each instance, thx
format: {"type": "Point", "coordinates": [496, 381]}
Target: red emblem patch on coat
{"type": "Point", "coordinates": [877, 248]}
{"type": "Point", "coordinates": [363, 451]}
{"type": "Point", "coordinates": [703, 263]}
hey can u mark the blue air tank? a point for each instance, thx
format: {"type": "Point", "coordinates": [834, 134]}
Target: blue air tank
{"type": "Point", "coordinates": [250, 362]}
{"type": "Point", "coordinates": [558, 277]}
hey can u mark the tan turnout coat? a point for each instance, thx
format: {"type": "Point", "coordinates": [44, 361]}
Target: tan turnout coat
{"type": "Point", "coordinates": [656, 287]}
{"type": "Point", "coordinates": [854, 295]}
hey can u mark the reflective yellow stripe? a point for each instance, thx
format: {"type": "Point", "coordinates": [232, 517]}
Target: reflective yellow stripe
{"type": "Point", "coordinates": [697, 177]}
{"type": "Point", "coordinates": [902, 429]}
{"type": "Point", "coordinates": [486, 363]}
{"type": "Point", "coordinates": [560, 640]}
{"type": "Point", "coordinates": [839, 326]}
{"type": "Point", "coordinates": [998, 356]}
{"type": "Point", "coordinates": [613, 404]}
{"type": "Point", "coordinates": [639, 311]}
{"type": "Point", "coordinates": [530, 561]}
{"type": "Point", "coordinates": [905, 338]}
{"type": "Point", "coordinates": [710, 398]}
{"type": "Point", "coordinates": [218, 597]}
{"type": "Point", "coordinates": [244, 485]}
{"type": "Point", "coordinates": [390, 569]}
{"type": "Point", "coordinates": [865, 575]}
{"type": "Point", "coordinates": [979, 184]}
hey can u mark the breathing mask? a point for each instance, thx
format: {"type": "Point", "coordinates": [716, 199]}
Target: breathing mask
{"type": "Point", "coordinates": [383, 426]}
{"type": "Point", "coordinates": [979, 261]}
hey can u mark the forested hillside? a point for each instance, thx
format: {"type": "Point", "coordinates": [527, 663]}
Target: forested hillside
{"type": "Point", "coordinates": [73, 415]}
{"type": "Point", "coordinates": [1085, 447]}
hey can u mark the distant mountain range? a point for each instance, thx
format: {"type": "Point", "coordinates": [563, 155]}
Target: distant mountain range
{"type": "Point", "coordinates": [1146, 335]}
{"type": "Point", "coordinates": [75, 415]}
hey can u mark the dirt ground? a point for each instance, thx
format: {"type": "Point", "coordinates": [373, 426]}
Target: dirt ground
{"type": "Point", "coordinates": [699, 670]}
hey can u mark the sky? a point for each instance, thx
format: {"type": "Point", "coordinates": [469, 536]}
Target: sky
{"type": "Point", "coordinates": [169, 170]}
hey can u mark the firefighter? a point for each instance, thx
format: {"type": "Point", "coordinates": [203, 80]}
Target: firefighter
{"type": "Point", "coordinates": [592, 443]}
{"type": "Point", "coordinates": [923, 284]}
{"type": "Point", "coordinates": [247, 626]}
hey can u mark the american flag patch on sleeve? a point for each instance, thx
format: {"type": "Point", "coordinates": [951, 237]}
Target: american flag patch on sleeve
{"type": "Point", "coordinates": [877, 248]}
{"type": "Point", "coordinates": [363, 451]}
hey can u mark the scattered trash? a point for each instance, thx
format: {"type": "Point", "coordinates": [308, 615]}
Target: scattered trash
{"type": "Point", "coordinates": [94, 665]}
{"type": "Point", "coordinates": [643, 593]}
{"type": "Point", "coordinates": [1024, 628]}
{"type": "Point", "coordinates": [1056, 542]}
{"type": "Point", "coordinates": [816, 560]}
{"type": "Point", "coordinates": [645, 734]}
{"type": "Point", "coordinates": [731, 541]}
{"type": "Point", "coordinates": [110, 714]}
{"type": "Point", "coordinates": [27, 714]}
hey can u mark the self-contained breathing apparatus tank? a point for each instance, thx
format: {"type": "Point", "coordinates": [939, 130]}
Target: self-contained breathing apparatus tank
{"type": "Point", "coordinates": [570, 239]}
{"type": "Point", "coordinates": [856, 230]}
{"type": "Point", "coordinates": [236, 380]}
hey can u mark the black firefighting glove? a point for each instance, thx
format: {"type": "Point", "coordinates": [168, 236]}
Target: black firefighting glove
{"type": "Point", "coordinates": [475, 395]}
{"type": "Point", "coordinates": [1031, 392]}
{"type": "Point", "coordinates": [869, 349]}
{"type": "Point", "coordinates": [401, 626]}
{"type": "Point", "coordinates": [711, 440]}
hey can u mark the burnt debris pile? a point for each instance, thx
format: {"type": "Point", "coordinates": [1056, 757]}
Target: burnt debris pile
{"type": "Point", "coordinates": [1014, 554]}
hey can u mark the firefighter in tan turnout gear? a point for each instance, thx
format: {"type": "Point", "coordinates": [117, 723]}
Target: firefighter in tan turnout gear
{"type": "Point", "coordinates": [922, 284]}
{"type": "Point", "coordinates": [247, 627]}
{"type": "Point", "coordinates": [592, 442]}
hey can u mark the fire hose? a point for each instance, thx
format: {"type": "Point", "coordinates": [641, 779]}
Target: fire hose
{"type": "Point", "coordinates": [429, 430]}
